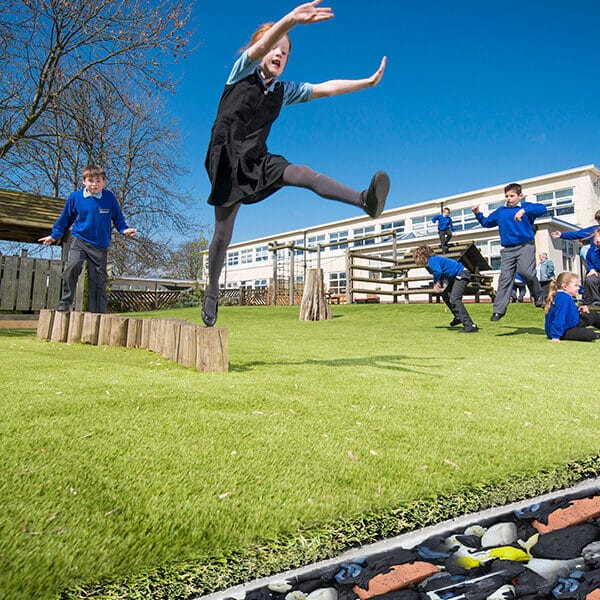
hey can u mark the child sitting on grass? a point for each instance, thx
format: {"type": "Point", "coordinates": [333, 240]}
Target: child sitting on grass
{"type": "Point", "coordinates": [564, 321]}
{"type": "Point", "coordinates": [456, 275]}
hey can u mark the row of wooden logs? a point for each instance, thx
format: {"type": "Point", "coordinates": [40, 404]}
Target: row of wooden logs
{"type": "Point", "coordinates": [190, 345]}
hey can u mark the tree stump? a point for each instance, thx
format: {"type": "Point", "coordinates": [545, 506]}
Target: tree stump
{"type": "Point", "coordinates": [314, 306]}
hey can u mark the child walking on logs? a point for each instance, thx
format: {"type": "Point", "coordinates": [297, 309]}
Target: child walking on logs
{"type": "Point", "coordinates": [239, 166]}
{"type": "Point", "coordinates": [456, 275]}
{"type": "Point", "coordinates": [564, 321]}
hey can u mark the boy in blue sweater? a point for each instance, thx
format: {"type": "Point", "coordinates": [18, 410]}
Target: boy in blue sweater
{"type": "Point", "coordinates": [456, 276]}
{"type": "Point", "coordinates": [591, 285]}
{"type": "Point", "coordinates": [564, 321]}
{"type": "Point", "coordinates": [445, 227]}
{"type": "Point", "coordinates": [92, 213]}
{"type": "Point", "coordinates": [515, 224]}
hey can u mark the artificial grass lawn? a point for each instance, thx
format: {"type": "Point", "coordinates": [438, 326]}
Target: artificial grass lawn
{"type": "Point", "coordinates": [116, 462]}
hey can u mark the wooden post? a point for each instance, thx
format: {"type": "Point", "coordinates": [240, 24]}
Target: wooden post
{"type": "Point", "coordinates": [170, 347]}
{"type": "Point", "coordinates": [104, 330]}
{"type": "Point", "coordinates": [89, 331]}
{"type": "Point", "coordinates": [117, 330]}
{"type": "Point", "coordinates": [134, 333]}
{"type": "Point", "coordinates": [44, 329]}
{"type": "Point", "coordinates": [314, 305]}
{"type": "Point", "coordinates": [186, 354]}
{"type": "Point", "coordinates": [146, 331]}
{"type": "Point", "coordinates": [60, 327]}
{"type": "Point", "coordinates": [211, 347]}
{"type": "Point", "coordinates": [75, 327]}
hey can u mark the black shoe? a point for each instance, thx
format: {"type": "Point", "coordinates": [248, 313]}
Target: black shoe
{"type": "Point", "coordinates": [496, 317]}
{"type": "Point", "coordinates": [376, 195]}
{"type": "Point", "coordinates": [470, 329]}
{"type": "Point", "coordinates": [455, 322]}
{"type": "Point", "coordinates": [540, 303]}
{"type": "Point", "coordinates": [209, 319]}
{"type": "Point", "coordinates": [63, 307]}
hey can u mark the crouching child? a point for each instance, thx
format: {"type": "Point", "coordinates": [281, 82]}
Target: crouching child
{"type": "Point", "coordinates": [456, 276]}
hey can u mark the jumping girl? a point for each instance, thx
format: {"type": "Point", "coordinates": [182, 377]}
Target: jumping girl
{"type": "Point", "coordinates": [240, 168]}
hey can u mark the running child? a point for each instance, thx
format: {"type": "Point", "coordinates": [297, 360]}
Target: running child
{"type": "Point", "coordinates": [456, 275]}
{"type": "Point", "coordinates": [239, 166]}
{"type": "Point", "coordinates": [564, 321]}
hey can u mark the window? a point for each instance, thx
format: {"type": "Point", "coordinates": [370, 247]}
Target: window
{"type": "Point", "coordinates": [464, 219]}
{"type": "Point", "coordinates": [233, 258]}
{"type": "Point", "coordinates": [261, 253]}
{"type": "Point", "coordinates": [363, 231]}
{"type": "Point", "coordinates": [338, 236]}
{"type": "Point", "coordinates": [491, 252]}
{"type": "Point", "coordinates": [397, 226]}
{"type": "Point", "coordinates": [337, 282]}
{"type": "Point", "coordinates": [247, 285]}
{"type": "Point", "coordinates": [423, 225]}
{"type": "Point", "coordinates": [570, 250]}
{"type": "Point", "coordinates": [260, 284]}
{"type": "Point", "coordinates": [299, 242]}
{"type": "Point", "coordinates": [246, 256]}
{"type": "Point", "coordinates": [558, 203]}
{"type": "Point", "coordinates": [316, 239]}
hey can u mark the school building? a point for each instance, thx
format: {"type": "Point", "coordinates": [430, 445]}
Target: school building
{"type": "Point", "coordinates": [572, 197]}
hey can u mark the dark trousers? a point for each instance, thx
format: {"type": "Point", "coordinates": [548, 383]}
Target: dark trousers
{"type": "Point", "coordinates": [591, 289]}
{"type": "Point", "coordinates": [582, 332]}
{"type": "Point", "coordinates": [453, 294]}
{"type": "Point", "coordinates": [445, 237]}
{"type": "Point", "coordinates": [97, 259]}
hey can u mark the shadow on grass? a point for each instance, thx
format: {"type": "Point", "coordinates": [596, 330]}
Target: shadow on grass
{"type": "Point", "coordinates": [393, 362]}
{"type": "Point", "coordinates": [522, 331]}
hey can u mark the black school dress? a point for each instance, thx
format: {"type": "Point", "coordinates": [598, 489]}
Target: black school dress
{"type": "Point", "coordinates": [238, 163]}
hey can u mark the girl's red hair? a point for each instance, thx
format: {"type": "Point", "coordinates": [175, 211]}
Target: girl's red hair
{"type": "Point", "coordinates": [260, 31]}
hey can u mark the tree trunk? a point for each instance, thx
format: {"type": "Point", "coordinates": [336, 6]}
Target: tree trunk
{"type": "Point", "coordinates": [314, 305]}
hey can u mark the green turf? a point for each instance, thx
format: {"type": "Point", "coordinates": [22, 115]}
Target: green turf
{"type": "Point", "coordinates": [116, 462]}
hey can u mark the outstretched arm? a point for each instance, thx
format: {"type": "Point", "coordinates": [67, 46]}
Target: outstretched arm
{"type": "Point", "coordinates": [336, 87]}
{"type": "Point", "coordinates": [304, 14]}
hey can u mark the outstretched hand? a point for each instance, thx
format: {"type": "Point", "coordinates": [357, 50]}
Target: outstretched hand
{"type": "Point", "coordinates": [376, 77]}
{"type": "Point", "coordinates": [311, 13]}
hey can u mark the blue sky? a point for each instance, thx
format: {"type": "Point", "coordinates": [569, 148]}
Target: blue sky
{"type": "Point", "coordinates": [475, 94]}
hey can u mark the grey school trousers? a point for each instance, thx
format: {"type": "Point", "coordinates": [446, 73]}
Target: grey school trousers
{"type": "Point", "coordinates": [97, 258]}
{"type": "Point", "coordinates": [516, 259]}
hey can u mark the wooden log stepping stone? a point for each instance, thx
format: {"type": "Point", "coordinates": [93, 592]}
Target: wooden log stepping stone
{"type": "Point", "coordinates": [190, 345]}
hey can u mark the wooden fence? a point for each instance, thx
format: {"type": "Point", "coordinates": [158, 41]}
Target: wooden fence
{"type": "Point", "coordinates": [133, 301]}
{"type": "Point", "coordinates": [31, 284]}
{"type": "Point", "coordinates": [261, 297]}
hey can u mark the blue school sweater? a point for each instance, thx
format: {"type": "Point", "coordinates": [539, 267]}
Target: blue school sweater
{"type": "Point", "coordinates": [92, 218]}
{"type": "Point", "coordinates": [444, 268]}
{"type": "Point", "coordinates": [592, 258]}
{"type": "Point", "coordinates": [513, 233]}
{"type": "Point", "coordinates": [580, 234]}
{"type": "Point", "coordinates": [443, 222]}
{"type": "Point", "coordinates": [563, 315]}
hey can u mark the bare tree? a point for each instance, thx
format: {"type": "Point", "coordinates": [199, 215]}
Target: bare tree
{"type": "Point", "coordinates": [48, 46]}
{"type": "Point", "coordinates": [186, 261]}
